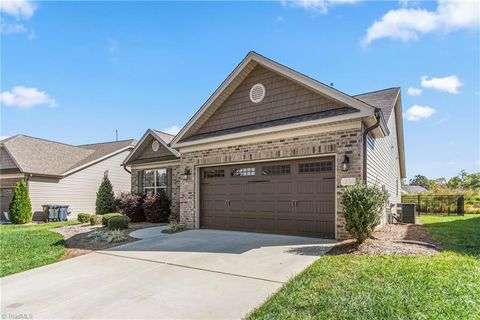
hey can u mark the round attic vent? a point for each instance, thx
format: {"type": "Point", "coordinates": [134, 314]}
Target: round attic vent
{"type": "Point", "coordinates": [155, 145]}
{"type": "Point", "coordinates": [257, 93]}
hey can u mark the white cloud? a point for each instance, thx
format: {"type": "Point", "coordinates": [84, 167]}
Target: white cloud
{"type": "Point", "coordinates": [12, 28]}
{"type": "Point", "coordinates": [408, 23]}
{"type": "Point", "coordinates": [25, 98]}
{"type": "Point", "coordinates": [318, 6]}
{"type": "Point", "coordinates": [449, 84]}
{"type": "Point", "coordinates": [414, 91]}
{"type": "Point", "coordinates": [172, 130]}
{"type": "Point", "coordinates": [13, 11]}
{"type": "Point", "coordinates": [20, 9]}
{"type": "Point", "coordinates": [416, 112]}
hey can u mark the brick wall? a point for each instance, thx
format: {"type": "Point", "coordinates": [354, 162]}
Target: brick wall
{"type": "Point", "coordinates": [175, 207]}
{"type": "Point", "coordinates": [336, 142]}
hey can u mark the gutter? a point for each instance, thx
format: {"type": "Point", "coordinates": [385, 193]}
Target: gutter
{"type": "Point", "coordinates": [378, 117]}
{"type": "Point", "coordinates": [125, 168]}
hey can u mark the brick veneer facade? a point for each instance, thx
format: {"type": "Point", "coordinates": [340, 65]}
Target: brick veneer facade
{"type": "Point", "coordinates": [175, 207]}
{"type": "Point", "coordinates": [334, 142]}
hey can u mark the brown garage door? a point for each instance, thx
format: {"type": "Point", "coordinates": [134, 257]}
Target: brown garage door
{"type": "Point", "coordinates": [288, 197]}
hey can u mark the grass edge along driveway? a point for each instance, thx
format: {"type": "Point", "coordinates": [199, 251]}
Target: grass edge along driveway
{"type": "Point", "coordinates": [445, 286]}
{"type": "Point", "coordinates": [23, 247]}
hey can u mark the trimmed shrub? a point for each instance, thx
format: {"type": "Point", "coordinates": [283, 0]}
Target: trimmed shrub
{"type": "Point", "coordinates": [109, 216]}
{"type": "Point", "coordinates": [130, 204]}
{"type": "Point", "coordinates": [105, 197]}
{"type": "Point", "coordinates": [20, 208]}
{"type": "Point", "coordinates": [117, 223]}
{"type": "Point", "coordinates": [84, 217]}
{"type": "Point", "coordinates": [157, 207]}
{"type": "Point", "coordinates": [362, 207]}
{"type": "Point", "coordinates": [173, 227]}
{"type": "Point", "coordinates": [95, 220]}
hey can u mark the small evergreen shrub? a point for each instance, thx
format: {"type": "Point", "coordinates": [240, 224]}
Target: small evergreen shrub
{"type": "Point", "coordinates": [108, 216]}
{"type": "Point", "coordinates": [362, 207]}
{"type": "Point", "coordinates": [130, 204]}
{"type": "Point", "coordinates": [84, 217]}
{"type": "Point", "coordinates": [21, 208]}
{"type": "Point", "coordinates": [105, 197]}
{"type": "Point", "coordinates": [117, 223]}
{"type": "Point", "coordinates": [157, 207]}
{"type": "Point", "coordinates": [95, 220]}
{"type": "Point", "coordinates": [173, 227]}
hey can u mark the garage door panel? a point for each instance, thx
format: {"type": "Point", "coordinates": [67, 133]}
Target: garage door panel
{"type": "Point", "coordinates": [325, 207]}
{"type": "Point", "coordinates": [305, 187]}
{"type": "Point", "coordinates": [261, 196]}
{"type": "Point", "coordinates": [284, 206]}
{"type": "Point", "coordinates": [284, 187]}
{"type": "Point", "coordinates": [236, 205]}
{"type": "Point", "coordinates": [325, 185]}
{"type": "Point", "coordinates": [266, 224]}
{"type": "Point", "coordinates": [267, 206]}
{"type": "Point", "coordinates": [250, 205]}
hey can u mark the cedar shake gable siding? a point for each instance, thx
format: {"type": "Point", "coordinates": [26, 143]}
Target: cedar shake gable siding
{"type": "Point", "coordinates": [146, 154]}
{"type": "Point", "coordinates": [284, 99]}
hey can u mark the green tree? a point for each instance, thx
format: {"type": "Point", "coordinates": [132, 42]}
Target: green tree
{"type": "Point", "coordinates": [105, 197]}
{"type": "Point", "coordinates": [454, 183]}
{"type": "Point", "coordinates": [419, 180]}
{"type": "Point", "coordinates": [20, 207]}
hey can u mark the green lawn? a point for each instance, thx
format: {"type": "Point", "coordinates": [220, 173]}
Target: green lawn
{"type": "Point", "coordinates": [27, 247]}
{"type": "Point", "coordinates": [445, 286]}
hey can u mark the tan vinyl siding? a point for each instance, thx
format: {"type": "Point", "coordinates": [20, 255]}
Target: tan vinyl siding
{"type": "Point", "coordinates": [383, 166]}
{"type": "Point", "coordinates": [6, 162]}
{"type": "Point", "coordinates": [79, 189]}
{"type": "Point", "coordinates": [284, 98]}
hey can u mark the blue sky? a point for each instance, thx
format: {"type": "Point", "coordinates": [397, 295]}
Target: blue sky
{"type": "Point", "coordinates": [76, 71]}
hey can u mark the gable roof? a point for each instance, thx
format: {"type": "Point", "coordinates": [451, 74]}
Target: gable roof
{"type": "Point", "coordinates": [241, 72]}
{"type": "Point", "coordinates": [384, 99]}
{"type": "Point", "coordinates": [162, 137]}
{"type": "Point", "coordinates": [50, 158]}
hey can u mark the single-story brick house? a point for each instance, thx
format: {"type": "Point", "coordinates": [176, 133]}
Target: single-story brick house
{"type": "Point", "coordinates": [271, 150]}
{"type": "Point", "coordinates": [61, 174]}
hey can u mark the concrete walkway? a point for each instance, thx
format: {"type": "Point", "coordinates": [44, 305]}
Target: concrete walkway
{"type": "Point", "coordinates": [197, 274]}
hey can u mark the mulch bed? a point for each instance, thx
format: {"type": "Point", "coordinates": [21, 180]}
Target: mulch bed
{"type": "Point", "coordinates": [396, 239]}
{"type": "Point", "coordinates": [77, 243]}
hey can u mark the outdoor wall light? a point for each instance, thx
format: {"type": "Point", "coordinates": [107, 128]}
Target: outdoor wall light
{"type": "Point", "coordinates": [345, 163]}
{"type": "Point", "coordinates": [185, 174]}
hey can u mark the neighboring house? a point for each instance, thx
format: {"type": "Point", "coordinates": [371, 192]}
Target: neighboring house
{"type": "Point", "coordinates": [271, 151]}
{"type": "Point", "coordinates": [63, 174]}
{"type": "Point", "coordinates": [413, 189]}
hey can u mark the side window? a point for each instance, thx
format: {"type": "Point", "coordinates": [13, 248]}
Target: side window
{"type": "Point", "coordinates": [242, 172]}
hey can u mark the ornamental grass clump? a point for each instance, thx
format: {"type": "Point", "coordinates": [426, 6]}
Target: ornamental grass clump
{"type": "Point", "coordinates": [362, 207]}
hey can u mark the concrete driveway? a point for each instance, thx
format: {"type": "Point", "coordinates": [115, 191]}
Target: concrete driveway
{"type": "Point", "coordinates": [197, 274]}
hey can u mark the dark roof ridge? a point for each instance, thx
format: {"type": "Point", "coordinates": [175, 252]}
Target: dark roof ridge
{"type": "Point", "coordinates": [90, 144]}
{"type": "Point", "coordinates": [375, 91]}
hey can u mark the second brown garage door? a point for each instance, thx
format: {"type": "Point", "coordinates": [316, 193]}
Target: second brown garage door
{"type": "Point", "coordinates": [288, 197]}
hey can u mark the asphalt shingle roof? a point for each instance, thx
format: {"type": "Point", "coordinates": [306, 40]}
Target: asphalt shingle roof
{"type": "Point", "coordinates": [39, 156]}
{"type": "Point", "coordinates": [384, 99]}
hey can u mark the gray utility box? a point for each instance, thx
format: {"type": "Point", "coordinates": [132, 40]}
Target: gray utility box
{"type": "Point", "coordinates": [409, 213]}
